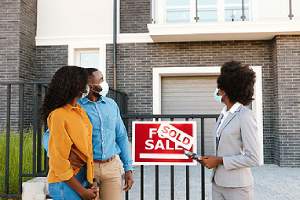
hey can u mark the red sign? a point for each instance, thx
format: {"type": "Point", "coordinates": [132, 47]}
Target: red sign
{"type": "Point", "coordinates": [163, 143]}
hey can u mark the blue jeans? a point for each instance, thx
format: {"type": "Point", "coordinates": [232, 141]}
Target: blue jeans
{"type": "Point", "coordinates": [62, 191]}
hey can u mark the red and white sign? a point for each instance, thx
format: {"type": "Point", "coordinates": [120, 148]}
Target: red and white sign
{"type": "Point", "coordinates": [163, 143]}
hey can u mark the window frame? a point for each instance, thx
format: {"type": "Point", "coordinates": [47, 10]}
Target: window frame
{"type": "Point", "coordinates": [73, 54]}
{"type": "Point", "coordinates": [160, 9]}
{"type": "Point", "coordinates": [78, 53]}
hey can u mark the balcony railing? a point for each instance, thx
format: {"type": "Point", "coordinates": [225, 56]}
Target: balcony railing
{"type": "Point", "coordinates": [203, 11]}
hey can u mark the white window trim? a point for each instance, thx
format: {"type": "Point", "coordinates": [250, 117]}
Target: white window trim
{"type": "Point", "coordinates": [102, 54]}
{"type": "Point", "coordinates": [257, 104]}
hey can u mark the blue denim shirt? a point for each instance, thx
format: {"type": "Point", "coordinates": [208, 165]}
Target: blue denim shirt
{"type": "Point", "coordinates": [109, 133]}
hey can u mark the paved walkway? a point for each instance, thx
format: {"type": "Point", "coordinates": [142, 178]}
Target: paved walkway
{"type": "Point", "coordinates": [271, 183]}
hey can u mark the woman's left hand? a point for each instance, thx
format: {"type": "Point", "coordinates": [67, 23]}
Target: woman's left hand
{"type": "Point", "coordinates": [211, 161]}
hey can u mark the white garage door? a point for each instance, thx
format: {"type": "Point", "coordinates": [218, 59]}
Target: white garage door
{"type": "Point", "coordinates": [192, 95]}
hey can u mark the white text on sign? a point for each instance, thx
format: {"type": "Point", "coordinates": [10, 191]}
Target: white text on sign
{"type": "Point", "coordinates": [160, 144]}
{"type": "Point", "coordinates": [179, 137]}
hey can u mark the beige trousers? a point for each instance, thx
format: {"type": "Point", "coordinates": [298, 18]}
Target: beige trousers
{"type": "Point", "coordinates": [109, 175]}
{"type": "Point", "coordinates": [224, 193]}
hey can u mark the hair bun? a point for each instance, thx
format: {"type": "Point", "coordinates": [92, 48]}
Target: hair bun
{"type": "Point", "coordinates": [231, 66]}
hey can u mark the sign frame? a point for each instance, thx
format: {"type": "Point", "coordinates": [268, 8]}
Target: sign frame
{"type": "Point", "coordinates": [193, 163]}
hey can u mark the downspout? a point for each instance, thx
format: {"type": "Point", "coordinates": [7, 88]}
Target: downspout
{"type": "Point", "coordinates": [115, 29]}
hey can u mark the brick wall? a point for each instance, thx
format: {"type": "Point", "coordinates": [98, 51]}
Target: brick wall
{"type": "Point", "coordinates": [135, 63]}
{"type": "Point", "coordinates": [27, 68]}
{"type": "Point", "coordinates": [28, 18]}
{"type": "Point", "coordinates": [134, 16]}
{"type": "Point", "coordinates": [17, 39]}
{"type": "Point", "coordinates": [286, 61]}
{"type": "Point", "coordinates": [49, 59]}
{"type": "Point", "coordinates": [17, 55]}
{"type": "Point", "coordinates": [9, 55]}
{"type": "Point", "coordinates": [9, 39]}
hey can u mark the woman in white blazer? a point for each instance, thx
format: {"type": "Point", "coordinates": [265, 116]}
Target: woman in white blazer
{"type": "Point", "coordinates": [236, 135]}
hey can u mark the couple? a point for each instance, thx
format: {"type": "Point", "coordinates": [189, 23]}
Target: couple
{"type": "Point", "coordinates": [86, 133]}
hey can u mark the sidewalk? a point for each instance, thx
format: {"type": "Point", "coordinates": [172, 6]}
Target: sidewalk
{"type": "Point", "coordinates": [271, 183]}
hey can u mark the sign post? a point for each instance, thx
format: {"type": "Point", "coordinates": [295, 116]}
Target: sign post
{"type": "Point", "coordinates": [163, 142]}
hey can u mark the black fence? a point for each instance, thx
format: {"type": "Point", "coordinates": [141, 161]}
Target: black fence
{"type": "Point", "coordinates": [200, 123]}
{"type": "Point", "coordinates": [22, 156]}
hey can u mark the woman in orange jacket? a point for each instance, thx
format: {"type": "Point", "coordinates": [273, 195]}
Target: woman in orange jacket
{"type": "Point", "coordinates": [71, 136]}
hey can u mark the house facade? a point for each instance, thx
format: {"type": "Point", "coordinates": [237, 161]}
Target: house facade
{"type": "Point", "coordinates": [169, 54]}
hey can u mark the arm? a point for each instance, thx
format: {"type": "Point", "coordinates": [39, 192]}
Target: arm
{"type": "Point", "coordinates": [86, 194]}
{"type": "Point", "coordinates": [59, 150]}
{"type": "Point", "coordinates": [250, 139]}
{"type": "Point", "coordinates": [59, 147]}
{"type": "Point", "coordinates": [123, 143]}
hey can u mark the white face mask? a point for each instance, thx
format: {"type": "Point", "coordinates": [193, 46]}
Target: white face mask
{"type": "Point", "coordinates": [105, 88]}
{"type": "Point", "coordinates": [217, 97]}
{"type": "Point", "coordinates": [86, 92]}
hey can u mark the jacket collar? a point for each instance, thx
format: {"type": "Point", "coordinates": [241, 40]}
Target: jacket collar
{"type": "Point", "coordinates": [232, 113]}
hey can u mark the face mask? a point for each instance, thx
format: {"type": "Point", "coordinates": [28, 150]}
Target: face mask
{"type": "Point", "coordinates": [217, 97]}
{"type": "Point", "coordinates": [105, 88]}
{"type": "Point", "coordinates": [85, 92]}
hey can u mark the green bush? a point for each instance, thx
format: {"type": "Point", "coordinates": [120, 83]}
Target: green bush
{"type": "Point", "coordinates": [14, 159]}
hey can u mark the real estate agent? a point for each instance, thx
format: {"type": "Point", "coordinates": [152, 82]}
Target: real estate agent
{"type": "Point", "coordinates": [237, 140]}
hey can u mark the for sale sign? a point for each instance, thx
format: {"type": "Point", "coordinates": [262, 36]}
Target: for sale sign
{"type": "Point", "coordinates": [163, 143]}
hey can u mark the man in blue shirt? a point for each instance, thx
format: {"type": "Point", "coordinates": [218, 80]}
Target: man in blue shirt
{"type": "Point", "coordinates": [109, 139]}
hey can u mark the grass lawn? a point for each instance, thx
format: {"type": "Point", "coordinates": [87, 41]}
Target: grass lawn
{"type": "Point", "coordinates": [14, 159]}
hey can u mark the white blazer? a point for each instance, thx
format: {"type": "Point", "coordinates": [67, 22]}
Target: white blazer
{"type": "Point", "coordinates": [239, 147]}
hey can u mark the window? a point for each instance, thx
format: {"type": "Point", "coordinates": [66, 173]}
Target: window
{"type": "Point", "coordinates": [207, 10]}
{"type": "Point", "coordinates": [191, 11]}
{"type": "Point", "coordinates": [178, 11]}
{"type": "Point", "coordinates": [233, 10]}
{"type": "Point", "coordinates": [88, 58]}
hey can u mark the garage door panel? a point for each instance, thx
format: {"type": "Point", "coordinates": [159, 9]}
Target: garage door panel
{"type": "Point", "coordinates": [192, 95]}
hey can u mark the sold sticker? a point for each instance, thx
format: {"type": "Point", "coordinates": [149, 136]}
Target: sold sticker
{"type": "Point", "coordinates": [177, 136]}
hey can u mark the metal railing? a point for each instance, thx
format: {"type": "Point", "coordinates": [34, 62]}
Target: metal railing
{"type": "Point", "coordinates": [239, 11]}
{"type": "Point", "coordinates": [22, 105]}
{"type": "Point", "coordinates": [129, 118]}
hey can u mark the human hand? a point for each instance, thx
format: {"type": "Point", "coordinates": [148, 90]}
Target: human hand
{"type": "Point", "coordinates": [89, 194]}
{"type": "Point", "coordinates": [211, 161]}
{"type": "Point", "coordinates": [128, 181]}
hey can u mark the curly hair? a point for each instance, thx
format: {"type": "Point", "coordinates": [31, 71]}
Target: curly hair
{"type": "Point", "coordinates": [237, 81]}
{"type": "Point", "coordinates": [67, 83]}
